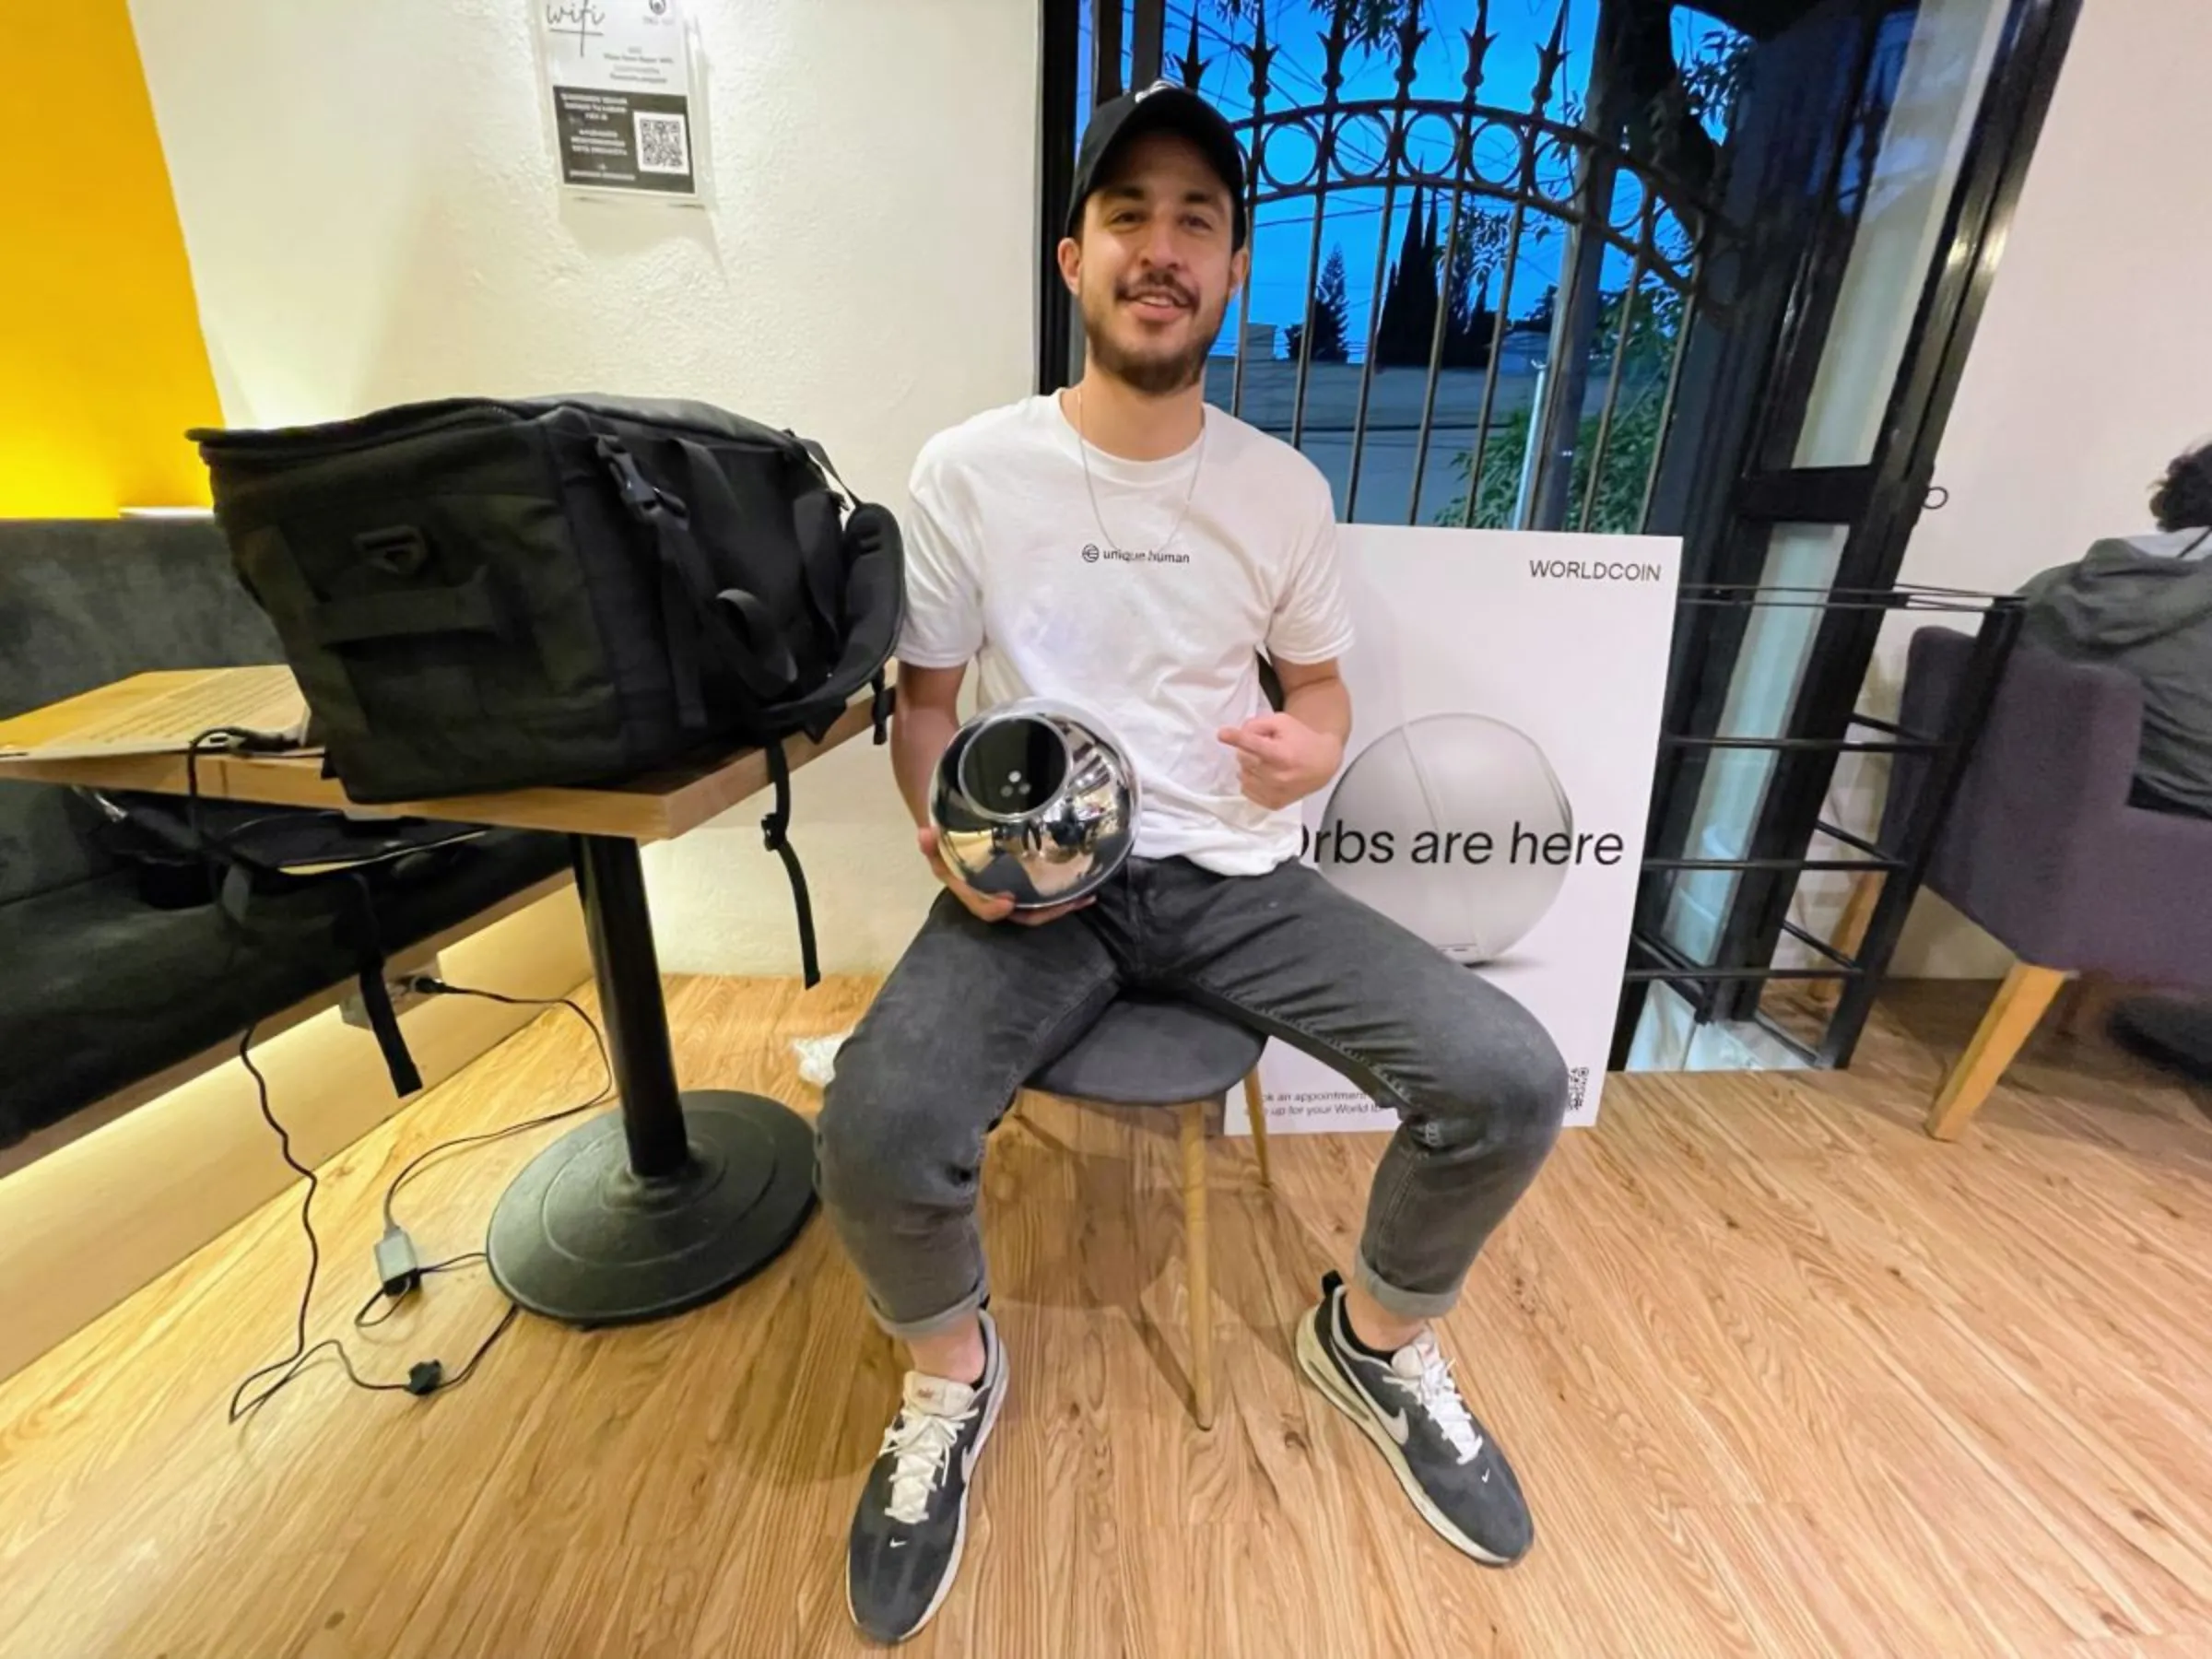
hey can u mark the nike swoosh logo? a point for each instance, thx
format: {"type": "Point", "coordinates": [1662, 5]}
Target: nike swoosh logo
{"type": "Point", "coordinates": [1400, 1428]}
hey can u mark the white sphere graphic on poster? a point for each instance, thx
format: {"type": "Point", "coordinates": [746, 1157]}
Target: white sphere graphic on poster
{"type": "Point", "coordinates": [1476, 806]}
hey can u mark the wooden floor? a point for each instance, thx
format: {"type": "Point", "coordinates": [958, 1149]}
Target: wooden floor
{"type": "Point", "coordinates": [1782, 1376]}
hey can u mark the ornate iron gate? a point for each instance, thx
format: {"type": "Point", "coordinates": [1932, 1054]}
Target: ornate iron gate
{"type": "Point", "coordinates": [1541, 407]}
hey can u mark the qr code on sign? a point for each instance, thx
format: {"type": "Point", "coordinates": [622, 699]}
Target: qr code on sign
{"type": "Point", "coordinates": [1578, 1086]}
{"type": "Point", "coordinates": [663, 145]}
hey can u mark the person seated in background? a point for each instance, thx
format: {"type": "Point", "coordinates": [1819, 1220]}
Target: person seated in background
{"type": "Point", "coordinates": [2144, 603]}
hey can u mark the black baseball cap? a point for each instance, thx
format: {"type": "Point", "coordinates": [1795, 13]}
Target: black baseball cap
{"type": "Point", "coordinates": [1163, 107]}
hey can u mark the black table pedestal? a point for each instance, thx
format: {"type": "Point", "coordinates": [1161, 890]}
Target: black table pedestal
{"type": "Point", "coordinates": [676, 1199]}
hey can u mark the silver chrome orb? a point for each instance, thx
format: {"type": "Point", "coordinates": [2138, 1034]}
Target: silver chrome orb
{"type": "Point", "coordinates": [1033, 800]}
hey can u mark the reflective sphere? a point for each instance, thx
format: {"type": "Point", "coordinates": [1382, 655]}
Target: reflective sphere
{"type": "Point", "coordinates": [1033, 800]}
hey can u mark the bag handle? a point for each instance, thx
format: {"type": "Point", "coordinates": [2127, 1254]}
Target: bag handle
{"type": "Point", "coordinates": [821, 529]}
{"type": "Point", "coordinates": [763, 659]}
{"type": "Point", "coordinates": [469, 607]}
{"type": "Point", "coordinates": [821, 533]}
{"type": "Point", "coordinates": [820, 457]}
{"type": "Point", "coordinates": [695, 617]}
{"type": "Point", "coordinates": [875, 607]}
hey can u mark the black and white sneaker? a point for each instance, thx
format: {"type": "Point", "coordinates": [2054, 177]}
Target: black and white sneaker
{"type": "Point", "coordinates": [1411, 1407]}
{"type": "Point", "coordinates": [913, 1518]}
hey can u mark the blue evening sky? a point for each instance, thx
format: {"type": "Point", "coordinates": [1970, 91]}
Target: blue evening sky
{"type": "Point", "coordinates": [1284, 236]}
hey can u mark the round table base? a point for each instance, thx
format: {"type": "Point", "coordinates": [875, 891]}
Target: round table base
{"type": "Point", "coordinates": [580, 1239]}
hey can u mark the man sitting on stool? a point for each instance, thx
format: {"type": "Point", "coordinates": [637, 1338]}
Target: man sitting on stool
{"type": "Point", "coordinates": [1011, 511]}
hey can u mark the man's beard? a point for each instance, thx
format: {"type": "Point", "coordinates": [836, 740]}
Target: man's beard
{"type": "Point", "coordinates": [1155, 376]}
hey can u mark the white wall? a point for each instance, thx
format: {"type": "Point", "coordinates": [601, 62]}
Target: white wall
{"type": "Point", "coordinates": [366, 197]}
{"type": "Point", "coordinates": [2093, 362]}
{"type": "Point", "coordinates": [370, 202]}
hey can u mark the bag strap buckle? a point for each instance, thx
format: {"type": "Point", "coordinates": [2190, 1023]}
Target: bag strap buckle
{"type": "Point", "coordinates": [881, 707]}
{"type": "Point", "coordinates": [645, 500]}
{"type": "Point", "coordinates": [777, 824]}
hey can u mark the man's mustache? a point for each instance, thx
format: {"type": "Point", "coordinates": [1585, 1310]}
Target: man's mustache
{"type": "Point", "coordinates": [1162, 286]}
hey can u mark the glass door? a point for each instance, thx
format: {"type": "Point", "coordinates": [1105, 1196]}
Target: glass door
{"type": "Point", "coordinates": [1855, 340]}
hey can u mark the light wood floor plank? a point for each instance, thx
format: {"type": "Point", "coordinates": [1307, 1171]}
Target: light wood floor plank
{"type": "Point", "coordinates": [1782, 1375]}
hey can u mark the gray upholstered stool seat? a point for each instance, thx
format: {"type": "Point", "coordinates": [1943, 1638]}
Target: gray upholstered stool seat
{"type": "Point", "coordinates": [1151, 1051]}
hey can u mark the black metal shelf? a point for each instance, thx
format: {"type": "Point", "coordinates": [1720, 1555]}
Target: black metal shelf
{"type": "Point", "coordinates": [1902, 862]}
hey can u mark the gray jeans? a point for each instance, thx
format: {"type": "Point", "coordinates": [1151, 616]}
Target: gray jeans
{"type": "Point", "coordinates": [974, 1010]}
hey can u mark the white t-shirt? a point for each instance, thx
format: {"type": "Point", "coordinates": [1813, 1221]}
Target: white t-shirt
{"type": "Point", "coordinates": [1008, 566]}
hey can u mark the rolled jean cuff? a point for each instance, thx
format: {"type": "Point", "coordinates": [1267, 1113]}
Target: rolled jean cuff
{"type": "Point", "coordinates": [911, 1330]}
{"type": "Point", "coordinates": [1405, 1304]}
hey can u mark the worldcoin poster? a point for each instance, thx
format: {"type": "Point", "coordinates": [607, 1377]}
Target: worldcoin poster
{"type": "Point", "coordinates": [1506, 690]}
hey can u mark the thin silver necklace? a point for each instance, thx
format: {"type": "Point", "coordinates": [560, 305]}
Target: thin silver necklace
{"type": "Point", "coordinates": [1083, 445]}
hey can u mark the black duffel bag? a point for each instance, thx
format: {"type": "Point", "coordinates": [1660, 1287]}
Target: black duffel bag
{"type": "Point", "coordinates": [479, 595]}
{"type": "Point", "coordinates": [299, 881]}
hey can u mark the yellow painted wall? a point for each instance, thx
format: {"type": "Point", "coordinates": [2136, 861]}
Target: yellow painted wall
{"type": "Point", "coordinates": [102, 362]}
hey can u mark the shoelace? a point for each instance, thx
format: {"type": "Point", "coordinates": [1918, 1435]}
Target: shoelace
{"type": "Point", "coordinates": [922, 1441]}
{"type": "Point", "coordinates": [1438, 1394]}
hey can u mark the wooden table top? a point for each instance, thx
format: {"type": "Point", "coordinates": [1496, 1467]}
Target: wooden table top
{"type": "Point", "coordinates": [651, 807]}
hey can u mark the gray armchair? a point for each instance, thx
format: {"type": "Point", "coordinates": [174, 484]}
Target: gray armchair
{"type": "Point", "coordinates": [2043, 851]}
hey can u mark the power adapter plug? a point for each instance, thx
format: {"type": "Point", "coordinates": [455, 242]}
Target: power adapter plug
{"type": "Point", "coordinates": [399, 1268]}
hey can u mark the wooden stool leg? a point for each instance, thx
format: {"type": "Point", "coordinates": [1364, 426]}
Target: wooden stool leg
{"type": "Point", "coordinates": [1255, 1109]}
{"type": "Point", "coordinates": [1851, 932]}
{"type": "Point", "coordinates": [2021, 1002]}
{"type": "Point", "coordinates": [1193, 1136]}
